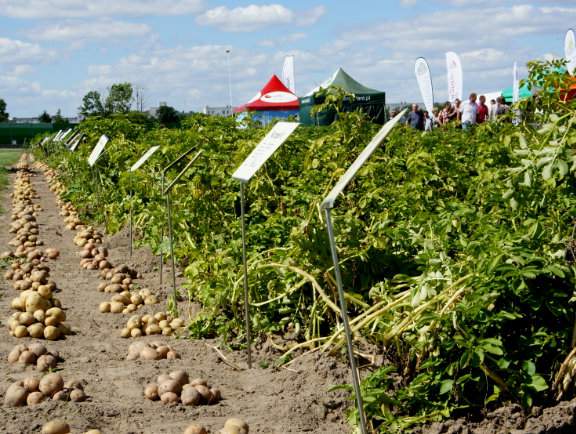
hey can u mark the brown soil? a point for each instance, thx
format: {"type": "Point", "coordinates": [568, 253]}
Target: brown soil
{"type": "Point", "coordinates": [511, 419]}
{"type": "Point", "coordinates": [271, 400]}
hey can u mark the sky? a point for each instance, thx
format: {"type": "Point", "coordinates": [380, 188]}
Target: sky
{"type": "Point", "coordinates": [52, 52]}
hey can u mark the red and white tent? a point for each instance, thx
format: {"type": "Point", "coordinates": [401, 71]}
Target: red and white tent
{"type": "Point", "coordinates": [274, 96]}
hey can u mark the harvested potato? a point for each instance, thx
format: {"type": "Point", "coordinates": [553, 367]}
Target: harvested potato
{"type": "Point", "coordinates": [190, 396]}
{"type": "Point", "coordinates": [177, 383]}
{"type": "Point", "coordinates": [56, 427]}
{"type": "Point", "coordinates": [77, 395]}
{"type": "Point", "coordinates": [46, 362]}
{"type": "Point", "coordinates": [35, 398]}
{"type": "Point", "coordinates": [148, 353]}
{"type": "Point", "coordinates": [237, 423]}
{"type": "Point", "coordinates": [151, 391]}
{"type": "Point", "coordinates": [52, 333]}
{"type": "Point", "coordinates": [195, 429]}
{"type": "Point", "coordinates": [51, 383]}
{"type": "Point", "coordinates": [15, 395]}
{"type": "Point", "coordinates": [31, 384]}
{"type": "Point", "coordinates": [169, 398]}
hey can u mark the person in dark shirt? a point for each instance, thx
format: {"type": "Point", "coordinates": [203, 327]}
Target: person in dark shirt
{"type": "Point", "coordinates": [482, 112]}
{"type": "Point", "coordinates": [415, 118]}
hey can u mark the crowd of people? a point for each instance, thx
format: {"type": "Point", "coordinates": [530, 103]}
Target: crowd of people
{"type": "Point", "coordinates": [465, 114]}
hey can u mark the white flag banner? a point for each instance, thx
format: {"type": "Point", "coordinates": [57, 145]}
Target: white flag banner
{"type": "Point", "coordinates": [288, 73]}
{"type": "Point", "coordinates": [570, 51]}
{"type": "Point", "coordinates": [424, 79]}
{"type": "Point", "coordinates": [454, 76]}
{"type": "Point", "coordinates": [515, 85]}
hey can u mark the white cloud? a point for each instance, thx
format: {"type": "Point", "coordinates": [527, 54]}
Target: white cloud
{"type": "Point", "coordinates": [309, 17]}
{"type": "Point", "coordinates": [82, 30]}
{"type": "Point", "coordinates": [13, 51]}
{"type": "Point", "coordinates": [246, 18]}
{"type": "Point", "coordinates": [81, 8]}
{"type": "Point", "coordinates": [408, 2]}
{"type": "Point", "coordinates": [252, 17]}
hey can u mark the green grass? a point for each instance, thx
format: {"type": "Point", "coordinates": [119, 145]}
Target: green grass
{"type": "Point", "coordinates": [7, 158]}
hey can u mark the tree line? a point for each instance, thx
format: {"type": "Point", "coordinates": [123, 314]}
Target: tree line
{"type": "Point", "coordinates": [118, 101]}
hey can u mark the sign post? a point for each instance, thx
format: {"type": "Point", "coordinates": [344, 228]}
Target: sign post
{"type": "Point", "coordinates": [135, 167]}
{"type": "Point", "coordinates": [162, 182]}
{"type": "Point", "coordinates": [327, 205]}
{"type": "Point", "coordinates": [93, 158]}
{"type": "Point", "coordinates": [263, 151]}
{"type": "Point", "coordinates": [166, 192]}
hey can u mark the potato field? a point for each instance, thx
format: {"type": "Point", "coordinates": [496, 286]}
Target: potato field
{"type": "Point", "coordinates": [457, 253]}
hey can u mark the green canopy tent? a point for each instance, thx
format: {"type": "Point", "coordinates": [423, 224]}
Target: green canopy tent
{"type": "Point", "coordinates": [524, 93]}
{"type": "Point", "coordinates": [370, 101]}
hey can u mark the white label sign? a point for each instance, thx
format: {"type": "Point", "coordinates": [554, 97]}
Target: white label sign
{"type": "Point", "coordinates": [63, 136]}
{"type": "Point", "coordinates": [75, 144]}
{"type": "Point", "coordinates": [97, 150]}
{"type": "Point", "coordinates": [360, 160]}
{"type": "Point", "coordinates": [144, 157]}
{"type": "Point", "coordinates": [264, 150]}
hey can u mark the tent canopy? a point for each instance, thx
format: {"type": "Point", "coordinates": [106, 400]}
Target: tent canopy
{"type": "Point", "coordinates": [370, 101]}
{"type": "Point", "coordinates": [342, 79]}
{"type": "Point", "coordinates": [273, 96]}
{"type": "Point", "coordinates": [523, 94]}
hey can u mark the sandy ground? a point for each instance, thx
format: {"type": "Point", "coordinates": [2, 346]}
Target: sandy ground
{"type": "Point", "coordinates": [271, 400]}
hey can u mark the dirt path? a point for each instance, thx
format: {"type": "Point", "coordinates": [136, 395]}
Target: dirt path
{"type": "Point", "coordinates": [272, 401]}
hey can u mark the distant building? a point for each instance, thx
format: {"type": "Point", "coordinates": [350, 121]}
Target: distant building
{"type": "Point", "coordinates": [25, 120]}
{"type": "Point", "coordinates": [153, 111]}
{"type": "Point", "coordinates": [218, 111]}
{"type": "Point", "coordinates": [71, 120]}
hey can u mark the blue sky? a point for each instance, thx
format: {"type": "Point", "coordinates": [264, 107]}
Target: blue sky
{"type": "Point", "coordinates": [54, 51]}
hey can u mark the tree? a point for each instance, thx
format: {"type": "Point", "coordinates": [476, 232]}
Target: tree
{"type": "Point", "coordinates": [3, 114]}
{"type": "Point", "coordinates": [92, 104]}
{"type": "Point", "coordinates": [45, 117]}
{"type": "Point", "coordinates": [119, 98]}
{"type": "Point", "coordinates": [59, 122]}
{"type": "Point", "coordinates": [168, 116]}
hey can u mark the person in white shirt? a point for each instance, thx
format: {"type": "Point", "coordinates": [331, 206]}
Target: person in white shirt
{"type": "Point", "coordinates": [469, 112]}
{"type": "Point", "coordinates": [492, 113]}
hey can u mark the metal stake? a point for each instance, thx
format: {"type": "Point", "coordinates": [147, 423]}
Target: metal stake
{"type": "Point", "coordinates": [170, 226]}
{"type": "Point", "coordinates": [171, 240]}
{"type": "Point", "coordinates": [162, 181]}
{"type": "Point", "coordinates": [344, 309]}
{"type": "Point", "coordinates": [161, 236]}
{"type": "Point", "coordinates": [245, 263]}
{"type": "Point", "coordinates": [131, 218]}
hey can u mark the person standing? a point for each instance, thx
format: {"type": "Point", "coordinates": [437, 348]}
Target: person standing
{"type": "Point", "coordinates": [493, 106]}
{"type": "Point", "coordinates": [482, 112]}
{"type": "Point", "coordinates": [415, 119]}
{"type": "Point", "coordinates": [427, 122]}
{"type": "Point", "coordinates": [469, 112]}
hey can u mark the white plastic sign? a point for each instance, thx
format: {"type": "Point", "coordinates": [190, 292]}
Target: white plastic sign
{"type": "Point", "coordinates": [264, 150]}
{"type": "Point", "coordinates": [97, 150]}
{"type": "Point", "coordinates": [144, 157]}
{"type": "Point", "coordinates": [75, 144]}
{"type": "Point", "coordinates": [360, 160]}
{"type": "Point", "coordinates": [63, 136]}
